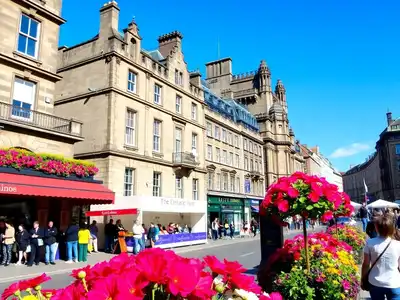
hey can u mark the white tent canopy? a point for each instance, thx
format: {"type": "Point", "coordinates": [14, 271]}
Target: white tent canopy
{"type": "Point", "coordinates": [382, 204]}
{"type": "Point", "coordinates": [355, 204]}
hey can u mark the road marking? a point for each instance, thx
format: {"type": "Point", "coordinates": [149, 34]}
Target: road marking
{"type": "Point", "coordinates": [246, 254]}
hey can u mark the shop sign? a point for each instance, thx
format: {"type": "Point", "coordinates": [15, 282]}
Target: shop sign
{"type": "Point", "coordinates": [223, 200]}
{"type": "Point", "coordinates": [255, 202]}
{"type": "Point", "coordinates": [176, 202]}
{"type": "Point", "coordinates": [8, 188]}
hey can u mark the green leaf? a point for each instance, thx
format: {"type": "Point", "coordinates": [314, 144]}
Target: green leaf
{"type": "Point", "coordinates": [310, 207]}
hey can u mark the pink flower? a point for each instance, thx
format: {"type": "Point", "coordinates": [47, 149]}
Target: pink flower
{"type": "Point", "coordinates": [328, 215]}
{"type": "Point", "coordinates": [283, 206]}
{"type": "Point", "coordinates": [293, 193]}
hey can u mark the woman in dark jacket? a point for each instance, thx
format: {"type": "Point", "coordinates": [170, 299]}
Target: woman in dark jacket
{"type": "Point", "coordinates": [23, 240]}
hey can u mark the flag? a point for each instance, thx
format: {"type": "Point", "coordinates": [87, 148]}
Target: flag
{"type": "Point", "coordinates": [366, 192]}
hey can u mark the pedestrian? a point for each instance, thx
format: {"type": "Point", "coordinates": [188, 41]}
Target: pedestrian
{"type": "Point", "coordinates": [225, 228]}
{"type": "Point", "coordinates": [50, 242]}
{"type": "Point", "coordinates": [83, 242]}
{"type": "Point", "coordinates": [109, 232]}
{"type": "Point", "coordinates": [36, 244]}
{"type": "Point", "coordinates": [138, 231]}
{"type": "Point", "coordinates": [23, 240]}
{"type": "Point", "coordinates": [151, 235]}
{"type": "Point", "coordinates": [94, 231]}
{"type": "Point", "coordinates": [364, 216]}
{"type": "Point", "coordinates": [8, 242]}
{"type": "Point", "coordinates": [214, 229]}
{"type": "Point", "coordinates": [231, 230]}
{"type": "Point", "coordinates": [253, 226]}
{"type": "Point", "coordinates": [381, 261]}
{"type": "Point", "coordinates": [71, 238]}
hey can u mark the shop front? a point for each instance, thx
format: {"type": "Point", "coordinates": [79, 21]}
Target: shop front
{"type": "Point", "coordinates": [254, 208]}
{"type": "Point", "coordinates": [34, 196]}
{"type": "Point", "coordinates": [158, 210]}
{"type": "Point", "coordinates": [226, 208]}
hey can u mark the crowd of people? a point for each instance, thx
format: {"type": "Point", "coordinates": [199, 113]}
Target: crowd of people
{"type": "Point", "coordinates": [381, 264]}
{"type": "Point", "coordinates": [226, 229]}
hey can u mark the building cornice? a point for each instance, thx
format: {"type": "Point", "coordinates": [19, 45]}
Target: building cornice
{"type": "Point", "coordinates": [133, 97]}
{"type": "Point", "coordinates": [123, 154]}
{"type": "Point", "coordinates": [42, 11]}
{"type": "Point", "coordinates": [34, 69]}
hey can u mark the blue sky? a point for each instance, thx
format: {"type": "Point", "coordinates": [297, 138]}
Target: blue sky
{"type": "Point", "coordinates": [338, 60]}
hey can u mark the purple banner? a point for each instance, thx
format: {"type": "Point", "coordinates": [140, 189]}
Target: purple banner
{"type": "Point", "coordinates": [164, 239]}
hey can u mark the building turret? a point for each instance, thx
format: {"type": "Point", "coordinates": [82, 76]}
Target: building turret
{"type": "Point", "coordinates": [264, 75]}
{"type": "Point", "coordinates": [280, 92]}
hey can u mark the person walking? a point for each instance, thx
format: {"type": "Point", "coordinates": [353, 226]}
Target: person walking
{"type": "Point", "coordinates": [36, 244]}
{"type": "Point", "coordinates": [381, 262]}
{"type": "Point", "coordinates": [50, 242]}
{"type": "Point", "coordinates": [109, 232]}
{"type": "Point", "coordinates": [152, 235]}
{"type": "Point", "coordinates": [138, 232]}
{"type": "Point", "coordinates": [364, 216]}
{"type": "Point", "coordinates": [215, 228]}
{"type": "Point", "coordinates": [8, 242]}
{"type": "Point", "coordinates": [71, 238]}
{"type": "Point", "coordinates": [23, 240]}
{"type": "Point", "coordinates": [231, 230]}
{"type": "Point", "coordinates": [254, 226]}
{"type": "Point", "coordinates": [83, 242]}
{"type": "Point", "coordinates": [94, 231]}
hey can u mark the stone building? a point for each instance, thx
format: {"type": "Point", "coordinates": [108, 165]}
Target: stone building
{"type": "Point", "coordinates": [144, 119]}
{"type": "Point", "coordinates": [254, 90]}
{"type": "Point", "coordinates": [381, 171]}
{"type": "Point", "coordinates": [317, 164]}
{"type": "Point", "coordinates": [234, 160]}
{"type": "Point", "coordinates": [28, 75]}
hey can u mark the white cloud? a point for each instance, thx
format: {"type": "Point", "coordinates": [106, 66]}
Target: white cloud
{"type": "Point", "coordinates": [350, 150]}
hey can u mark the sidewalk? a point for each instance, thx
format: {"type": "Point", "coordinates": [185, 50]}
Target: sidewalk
{"type": "Point", "coordinates": [14, 273]}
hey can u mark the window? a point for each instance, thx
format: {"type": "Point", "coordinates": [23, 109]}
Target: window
{"type": "Point", "coordinates": [157, 94]}
{"type": "Point", "coordinates": [218, 187]}
{"type": "Point", "coordinates": [260, 167]}
{"type": "Point", "coordinates": [246, 163]}
{"type": "Point", "coordinates": [209, 129]}
{"type": "Point", "coordinates": [210, 181]}
{"type": "Point", "coordinates": [156, 184]}
{"type": "Point", "coordinates": [245, 144]}
{"type": "Point", "coordinates": [179, 187]}
{"type": "Point", "coordinates": [194, 111]}
{"type": "Point", "coordinates": [217, 154]}
{"type": "Point", "coordinates": [230, 138]}
{"type": "Point", "coordinates": [178, 77]}
{"type": "Point", "coordinates": [250, 147]}
{"type": "Point", "coordinates": [157, 136]}
{"type": "Point", "coordinates": [28, 38]}
{"type": "Point", "coordinates": [23, 99]}
{"type": "Point", "coordinates": [178, 104]}
{"type": "Point", "coordinates": [132, 82]}
{"type": "Point", "coordinates": [194, 143]}
{"type": "Point", "coordinates": [216, 132]}
{"type": "Point", "coordinates": [224, 135]}
{"type": "Point", "coordinates": [236, 141]}
{"type": "Point", "coordinates": [256, 165]}
{"type": "Point", "coordinates": [237, 184]}
{"type": "Point", "coordinates": [251, 165]}
{"type": "Point", "coordinates": [237, 160]}
{"type": "Point", "coordinates": [128, 181]}
{"type": "Point", "coordinates": [178, 140]}
{"type": "Point", "coordinates": [260, 150]}
{"type": "Point", "coordinates": [195, 185]}
{"type": "Point", "coordinates": [232, 182]}
{"type": "Point", "coordinates": [398, 149]}
{"type": "Point", "coordinates": [130, 128]}
{"type": "Point", "coordinates": [209, 152]}
{"type": "Point", "coordinates": [224, 157]}
{"type": "Point", "coordinates": [230, 159]}
{"type": "Point", "coordinates": [225, 181]}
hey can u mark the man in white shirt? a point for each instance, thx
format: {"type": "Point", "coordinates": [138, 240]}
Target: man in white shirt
{"type": "Point", "coordinates": [138, 232]}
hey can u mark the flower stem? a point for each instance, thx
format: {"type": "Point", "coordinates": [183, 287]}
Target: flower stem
{"type": "Point", "coordinates": [85, 285]}
{"type": "Point", "coordinates": [306, 244]}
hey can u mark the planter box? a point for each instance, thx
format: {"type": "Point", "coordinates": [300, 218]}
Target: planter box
{"type": "Point", "coordinates": [32, 172]}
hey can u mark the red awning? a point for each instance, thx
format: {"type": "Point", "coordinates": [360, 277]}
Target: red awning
{"type": "Point", "coordinates": [17, 184]}
{"type": "Point", "coordinates": [112, 212]}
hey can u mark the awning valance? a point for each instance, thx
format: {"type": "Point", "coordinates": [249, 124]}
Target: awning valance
{"type": "Point", "coordinates": [112, 212]}
{"type": "Point", "coordinates": [16, 184]}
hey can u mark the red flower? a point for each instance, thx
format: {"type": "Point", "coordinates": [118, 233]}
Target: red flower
{"type": "Point", "coordinates": [203, 289]}
{"type": "Point", "coordinates": [314, 197]}
{"type": "Point", "coordinates": [283, 206]}
{"type": "Point", "coordinates": [76, 273]}
{"type": "Point", "coordinates": [34, 282]}
{"type": "Point", "coordinates": [182, 278]}
{"type": "Point", "coordinates": [293, 193]}
{"type": "Point", "coordinates": [109, 288]}
{"type": "Point", "coordinates": [244, 282]}
{"type": "Point", "coordinates": [152, 264]}
{"type": "Point", "coordinates": [328, 215]}
{"type": "Point", "coordinates": [71, 292]}
{"type": "Point", "coordinates": [232, 267]}
{"type": "Point", "coordinates": [13, 288]}
{"type": "Point", "coordinates": [217, 267]}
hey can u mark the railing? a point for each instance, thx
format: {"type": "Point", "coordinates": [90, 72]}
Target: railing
{"type": "Point", "coordinates": [248, 92]}
{"type": "Point", "coordinates": [24, 116]}
{"type": "Point", "coordinates": [184, 158]}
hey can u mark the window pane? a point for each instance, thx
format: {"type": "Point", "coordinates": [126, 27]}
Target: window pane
{"type": "Point", "coordinates": [33, 30]}
{"type": "Point", "coordinates": [22, 43]}
{"type": "Point", "coordinates": [24, 24]}
{"type": "Point", "coordinates": [31, 47]}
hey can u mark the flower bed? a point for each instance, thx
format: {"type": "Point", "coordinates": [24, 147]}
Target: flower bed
{"type": "Point", "coordinates": [46, 163]}
{"type": "Point", "coordinates": [351, 235]}
{"type": "Point", "coordinates": [152, 274]}
{"type": "Point", "coordinates": [333, 271]}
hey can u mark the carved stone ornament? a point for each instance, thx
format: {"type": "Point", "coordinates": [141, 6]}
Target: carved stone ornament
{"type": "Point", "coordinates": [108, 59]}
{"type": "Point", "coordinates": [148, 75]}
{"type": "Point", "coordinates": [118, 60]}
{"type": "Point", "coordinates": [27, 73]}
{"type": "Point", "coordinates": [32, 12]}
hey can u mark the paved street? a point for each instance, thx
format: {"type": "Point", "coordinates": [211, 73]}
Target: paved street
{"type": "Point", "coordinates": [246, 251]}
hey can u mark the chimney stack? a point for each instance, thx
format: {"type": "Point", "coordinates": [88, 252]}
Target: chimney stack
{"type": "Point", "coordinates": [109, 17]}
{"type": "Point", "coordinates": [168, 41]}
{"type": "Point", "coordinates": [389, 118]}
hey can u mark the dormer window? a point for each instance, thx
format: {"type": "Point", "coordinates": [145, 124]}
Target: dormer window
{"type": "Point", "coordinates": [178, 77]}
